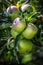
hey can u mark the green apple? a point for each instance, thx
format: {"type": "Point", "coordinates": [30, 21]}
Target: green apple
{"type": "Point", "coordinates": [18, 25]}
{"type": "Point", "coordinates": [30, 31]}
{"type": "Point", "coordinates": [24, 46]}
{"type": "Point", "coordinates": [12, 11]}
{"type": "Point", "coordinates": [14, 33]}
{"type": "Point", "coordinates": [26, 58]}
{"type": "Point", "coordinates": [7, 56]}
{"type": "Point", "coordinates": [10, 44]}
{"type": "Point", "coordinates": [24, 7]}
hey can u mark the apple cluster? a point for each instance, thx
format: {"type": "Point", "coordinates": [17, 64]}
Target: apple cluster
{"type": "Point", "coordinates": [27, 31]}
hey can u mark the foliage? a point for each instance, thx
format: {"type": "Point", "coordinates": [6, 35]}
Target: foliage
{"type": "Point", "coordinates": [8, 44]}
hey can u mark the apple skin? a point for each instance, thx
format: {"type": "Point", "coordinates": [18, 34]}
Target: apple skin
{"type": "Point", "coordinates": [7, 56]}
{"type": "Point", "coordinates": [24, 7]}
{"type": "Point", "coordinates": [30, 31]}
{"type": "Point", "coordinates": [24, 46]}
{"type": "Point", "coordinates": [14, 33]}
{"type": "Point", "coordinates": [18, 25]}
{"type": "Point", "coordinates": [12, 11]}
{"type": "Point", "coordinates": [26, 58]}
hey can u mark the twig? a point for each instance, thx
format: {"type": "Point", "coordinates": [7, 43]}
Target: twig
{"type": "Point", "coordinates": [2, 49]}
{"type": "Point", "coordinates": [15, 54]}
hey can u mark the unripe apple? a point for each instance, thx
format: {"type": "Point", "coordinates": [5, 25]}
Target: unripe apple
{"type": "Point", "coordinates": [12, 11]}
{"type": "Point", "coordinates": [14, 33]}
{"type": "Point", "coordinates": [24, 46]}
{"type": "Point", "coordinates": [24, 7]}
{"type": "Point", "coordinates": [28, 7]}
{"type": "Point", "coordinates": [30, 31]}
{"type": "Point", "coordinates": [18, 25]}
{"type": "Point", "coordinates": [7, 56]}
{"type": "Point", "coordinates": [10, 43]}
{"type": "Point", "coordinates": [26, 58]}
